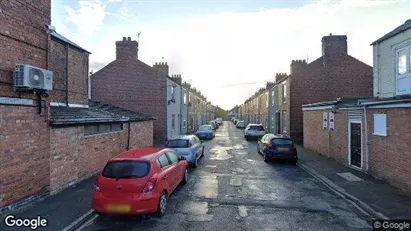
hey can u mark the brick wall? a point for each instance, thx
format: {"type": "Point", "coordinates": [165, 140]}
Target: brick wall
{"type": "Point", "coordinates": [342, 76]}
{"type": "Point", "coordinates": [23, 39]}
{"type": "Point", "coordinates": [333, 144]}
{"type": "Point", "coordinates": [23, 133]}
{"type": "Point", "coordinates": [390, 156]}
{"type": "Point", "coordinates": [75, 157]}
{"type": "Point", "coordinates": [24, 151]}
{"type": "Point", "coordinates": [141, 134]}
{"type": "Point", "coordinates": [136, 86]}
{"type": "Point", "coordinates": [77, 73]}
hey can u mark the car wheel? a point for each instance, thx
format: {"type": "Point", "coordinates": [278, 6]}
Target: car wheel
{"type": "Point", "coordinates": [265, 158]}
{"type": "Point", "coordinates": [195, 164]}
{"type": "Point", "coordinates": [258, 150]}
{"type": "Point", "coordinates": [202, 152]}
{"type": "Point", "coordinates": [162, 205]}
{"type": "Point", "coordinates": [185, 177]}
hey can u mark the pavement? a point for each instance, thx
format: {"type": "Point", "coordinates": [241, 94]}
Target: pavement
{"type": "Point", "coordinates": [234, 189]}
{"type": "Point", "coordinates": [377, 197]}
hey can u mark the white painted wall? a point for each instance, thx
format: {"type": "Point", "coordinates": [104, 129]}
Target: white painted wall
{"type": "Point", "coordinates": [384, 63]}
{"type": "Point", "coordinates": [173, 108]}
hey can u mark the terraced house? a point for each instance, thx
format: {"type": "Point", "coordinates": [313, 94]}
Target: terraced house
{"type": "Point", "coordinates": [334, 74]}
{"type": "Point", "coordinates": [372, 134]}
{"type": "Point", "coordinates": [51, 135]}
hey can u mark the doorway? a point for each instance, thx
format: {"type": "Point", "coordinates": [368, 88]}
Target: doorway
{"type": "Point", "coordinates": [355, 144]}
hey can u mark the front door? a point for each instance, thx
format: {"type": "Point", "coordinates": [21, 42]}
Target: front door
{"type": "Point", "coordinates": [355, 144]}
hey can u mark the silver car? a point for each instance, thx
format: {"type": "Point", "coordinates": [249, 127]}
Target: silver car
{"type": "Point", "coordinates": [189, 146]}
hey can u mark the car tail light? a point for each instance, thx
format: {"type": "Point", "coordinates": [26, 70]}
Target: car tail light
{"type": "Point", "coordinates": [151, 183]}
{"type": "Point", "coordinates": [271, 145]}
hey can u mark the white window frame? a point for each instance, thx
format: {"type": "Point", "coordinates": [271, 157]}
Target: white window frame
{"type": "Point", "coordinates": [185, 98]}
{"type": "Point", "coordinates": [284, 91]}
{"type": "Point", "coordinates": [380, 125]}
{"type": "Point", "coordinates": [406, 77]}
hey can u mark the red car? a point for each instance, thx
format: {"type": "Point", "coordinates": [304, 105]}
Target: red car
{"type": "Point", "coordinates": [139, 182]}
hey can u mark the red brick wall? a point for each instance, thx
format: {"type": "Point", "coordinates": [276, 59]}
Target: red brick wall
{"type": "Point", "coordinates": [77, 74]}
{"type": "Point", "coordinates": [135, 86]}
{"type": "Point", "coordinates": [24, 153]}
{"type": "Point", "coordinates": [342, 77]}
{"type": "Point", "coordinates": [141, 135]}
{"type": "Point", "coordinates": [23, 39]}
{"type": "Point", "coordinates": [333, 144]}
{"type": "Point", "coordinates": [23, 133]}
{"type": "Point", "coordinates": [390, 156]}
{"type": "Point", "coordinates": [74, 157]}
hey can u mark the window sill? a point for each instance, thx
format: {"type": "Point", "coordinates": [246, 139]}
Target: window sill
{"type": "Point", "coordinates": [379, 134]}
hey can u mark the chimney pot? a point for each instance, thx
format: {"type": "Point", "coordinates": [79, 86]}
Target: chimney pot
{"type": "Point", "coordinates": [124, 38]}
{"type": "Point", "coordinates": [127, 49]}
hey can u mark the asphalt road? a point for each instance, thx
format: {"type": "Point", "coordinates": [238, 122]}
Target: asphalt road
{"type": "Point", "coordinates": [234, 189]}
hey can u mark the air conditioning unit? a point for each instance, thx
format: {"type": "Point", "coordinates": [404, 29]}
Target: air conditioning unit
{"type": "Point", "coordinates": [27, 77]}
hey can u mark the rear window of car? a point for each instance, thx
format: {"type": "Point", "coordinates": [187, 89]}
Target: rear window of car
{"type": "Point", "coordinates": [257, 128]}
{"type": "Point", "coordinates": [126, 169]}
{"type": "Point", "coordinates": [281, 142]}
{"type": "Point", "coordinates": [177, 144]}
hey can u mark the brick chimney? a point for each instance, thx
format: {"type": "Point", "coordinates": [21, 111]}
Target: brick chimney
{"type": "Point", "coordinates": [334, 46]}
{"type": "Point", "coordinates": [280, 76]}
{"type": "Point", "coordinates": [297, 66]}
{"type": "Point", "coordinates": [126, 49]}
{"type": "Point", "coordinates": [162, 68]}
{"type": "Point", "coordinates": [177, 78]}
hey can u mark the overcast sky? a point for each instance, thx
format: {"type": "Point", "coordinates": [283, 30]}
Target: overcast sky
{"type": "Point", "coordinates": [227, 49]}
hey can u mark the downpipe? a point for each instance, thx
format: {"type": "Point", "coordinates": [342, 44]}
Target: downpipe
{"type": "Point", "coordinates": [367, 156]}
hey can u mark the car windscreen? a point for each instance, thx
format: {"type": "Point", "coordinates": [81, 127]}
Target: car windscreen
{"type": "Point", "coordinates": [282, 142]}
{"type": "Point", "coordinates": [256, 128]}
{"type": "Point", "coordinates": [126, 169]}
{"type": "Point", "coordinates": [177, 144]}
{"type": "Point", "coordinates": [205, 128]}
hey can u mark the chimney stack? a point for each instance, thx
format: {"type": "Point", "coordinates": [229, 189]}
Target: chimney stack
{"type": "Point", "coordinates": [126, 49]}
{"type": "Point", "coordinates": [161, 68]}
{"type": "Point", "coordinates": [297, 66]}
{"type": "Point", "coordinates": [334, 46]}
{"type": "Point", "coordinates": [280, 76]}
{"type": "Point", "coordinates": [177, 78]}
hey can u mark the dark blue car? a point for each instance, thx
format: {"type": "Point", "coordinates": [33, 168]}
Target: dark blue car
{"type": "Point", "coordinates": [277, 147]}
{"type": "Point", "coordinates": [205, 132]}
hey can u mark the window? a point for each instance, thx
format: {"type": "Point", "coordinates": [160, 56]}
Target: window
{"type": "Point", "coordinates": [184, 123]}
{"type": "Point", "coordinates": [284, 90]}
{"type": "Point", "coordinates": [172, 157]}
{"type": "Point", "coordinates": [172, 93]}
{"type": "Point", "coordinates": [177, 144]}
{"type": "Point", "coordinates": [380, 125]}
{"type": "Point", "coordinates": [126, 169]}
{"type": "Point", "coordinates": [173, 121]}
{"type": "Point", "coordinates": [284, 121]}
{"type": "Point", "coordinates": [163, 161]}
{"type": "Point", "coordinates": [102, 128]}
{"type": "Point", "coordinates": [403, 71]}
{"type": "Point", "coordinates": [185, 98]}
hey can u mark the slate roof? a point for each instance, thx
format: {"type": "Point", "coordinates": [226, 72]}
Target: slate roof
{"type": "Point", "coordinates": [133, 116]}
{"type": "Point", "coordinates": [402, 28]}
{"type": "Point", "coordinates": [95, 113]}
{"type": "Point", "coordinates": [65, 40]}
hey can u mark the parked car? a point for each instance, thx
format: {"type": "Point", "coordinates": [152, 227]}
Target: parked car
{"type": "Point", "coordinates": [205, 131]}
{"type": "Point", "coordinates": [139, 182]}
{"type": "Point", "coordinates": [277, 147]}
{"type": "Point", "coordinates": [190, 147]}
{"type": "Point", "coordinates": [219, 121]}
{"type": "Point", "coordinates": [254, 131]}
{"type": "Point", "coordinates": [235, 121]}
{"type": "Point", "coordinates": [213, 124]}
{"type": "Point", "coordinates": [240, 124]}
